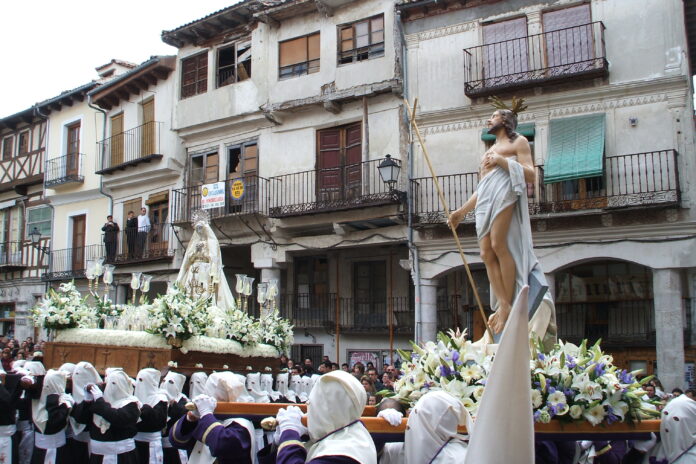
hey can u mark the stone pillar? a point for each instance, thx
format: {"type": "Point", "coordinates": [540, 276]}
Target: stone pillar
{"type": "Point", "coordinates": [268, 273]}
{"type": "Point", "coordinates": [428, 320]}
{"type": "Point", "coordinates": [121, 294]}
{"type": "Point", "coordinates": [669, 327]}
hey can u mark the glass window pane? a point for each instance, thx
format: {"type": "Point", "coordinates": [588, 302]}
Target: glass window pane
{"type": "Point", "coordinates": [361, 28]}
{"type": "Point", "coordinates": [377, 37]}
{"type": "Point", "coordinates": [378, 24]}
{"type": "Point", "coordinates": [361, 41]}
{"type": "Point", "coordinates": [347, 45]}
{"type": "Point", "coordinates": [347, 33]}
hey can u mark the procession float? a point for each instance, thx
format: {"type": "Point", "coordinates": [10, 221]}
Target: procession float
{"type": "Point", "coordinates": [197, 325]}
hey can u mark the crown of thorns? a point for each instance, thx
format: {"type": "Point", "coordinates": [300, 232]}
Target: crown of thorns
{"type": "Point", "coordinates": [516, 106]}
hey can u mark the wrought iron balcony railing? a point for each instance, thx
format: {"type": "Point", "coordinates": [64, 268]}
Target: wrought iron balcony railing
{"type": "Point", "coordinates": [64, 169]}
{"type": "Point", "coordinates": [70, 263]}
{"type": "Point", "coordinates": [140, 144]}
{"type": "Point", "coordinates": [330, 189]}
{"type": "Point", "coordinates": [349, 314]}
{"type": "Point", "coordinates": [625, 323]}
{"type": "Point", "coordinates": [244, 195]}
{"type": "Point", "coordinates": [130, 246]}
{"type": "Point", "coordinates": [641, 179]}
{"type": "Point", "coordinates": [12, 256]}
{"type": "Point", "coordinates": [572, 53]}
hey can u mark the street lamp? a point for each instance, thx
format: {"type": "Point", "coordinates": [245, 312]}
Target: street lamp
{"type": "Point", "coordinates": [35, 236]}
{"type": "Point", "coordinates": [389, 171]}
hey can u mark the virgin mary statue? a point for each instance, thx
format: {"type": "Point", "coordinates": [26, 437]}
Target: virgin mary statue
{"type": "Point", "coordinates": [201, 274]}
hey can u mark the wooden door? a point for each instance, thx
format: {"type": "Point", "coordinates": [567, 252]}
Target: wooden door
{"type": "Point", "coordinates": [128, 236]}
{"type": "Point", "coordinates": [117, 142]}
{"type": "Point", "coordinates": [159, 240]}
{"type": "Point", "coordinates": [505, 48]}
{"type": "Point", "coordinates": [352, 180]}
{"type": "Point", "coordinates": [78, 242]}
{"type": "Point", "coordinates": [72, 159]}
{"type": "Point", "coordinates": [147, 135]}
{"type": "Point", "coordinates": [329, 165]}
{"type": "Point", "coordinates": [568, 36]}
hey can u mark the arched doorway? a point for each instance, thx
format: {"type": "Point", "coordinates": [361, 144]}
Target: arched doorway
{"type": "Point", "coordinates": [612, 301]}
{"type": "Point", "coordinates": [456, 304]}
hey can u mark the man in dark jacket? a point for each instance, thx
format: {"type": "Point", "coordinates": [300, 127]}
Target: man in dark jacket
{"type": "Point", "coordinates": [132, 234]}
{"type": "Point", "coordinates": [110, 230]}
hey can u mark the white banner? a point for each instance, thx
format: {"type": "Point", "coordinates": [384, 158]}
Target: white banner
{"type": "Point", "coordinates": [213, 195]}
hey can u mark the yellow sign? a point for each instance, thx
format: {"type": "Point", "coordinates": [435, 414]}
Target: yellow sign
{"type": "Point", "coordinates": [205, 191]}
{"type": "Point", "coordinates": [237, 189]}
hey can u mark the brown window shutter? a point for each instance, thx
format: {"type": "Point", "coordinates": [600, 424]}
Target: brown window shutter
{"type": "Point", "coordinates": [567, 17]}
{"type": "Point", "coordinates": [313, 47]}
{"type": "Point", "coordinates": [293, 51]}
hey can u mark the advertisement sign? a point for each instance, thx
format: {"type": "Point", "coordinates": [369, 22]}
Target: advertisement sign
{"type": "Point", "coordinates": [213, 195]}
{"type": "Point", "coordinates": [237, 189]}
{"type": "Point", "coordinates": [364, 357]}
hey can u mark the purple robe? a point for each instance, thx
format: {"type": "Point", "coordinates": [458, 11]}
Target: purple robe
{"type": "Point", "coordinates": [290, 451]}
{"type": "Point", "coordinates": [230, 445]}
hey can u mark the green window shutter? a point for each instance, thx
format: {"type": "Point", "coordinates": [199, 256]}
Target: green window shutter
{"type": "Point", "coordinates": [576, 148]}
{"type": "Point", "coordinates": [523, 129]}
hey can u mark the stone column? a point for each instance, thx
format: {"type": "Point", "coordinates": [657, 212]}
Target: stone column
{"type": "Point", "coordinates": [271, 271]}
{"type": "Point", "coordinates": [669, 327]}
{"type": "Point", "coordinates": [428, 309]}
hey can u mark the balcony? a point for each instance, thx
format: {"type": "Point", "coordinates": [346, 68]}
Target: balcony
{"type": "Point", "coordinates": [245, 195]}
{"type": "Point", "coordinates": [309, 311]}
{"type": "Point", "coordinates": [139, 245]}
{"type": "Point", "coordinates": [70, 263]}
{"type": "Point", "coordinates": [568, 54]}
{"type": "Point", "coordinates": [21, 171]}
{"type": "Point", "coordinates": [130, 148]}
{"type": "Point", "coordinates": [64, 170]}
{"type": "Point", "coordinates": [641, 179]}
{"type": "Point", "coordinates": [331, 189]}
{"type": "Point", "coordinates": [12, 256]}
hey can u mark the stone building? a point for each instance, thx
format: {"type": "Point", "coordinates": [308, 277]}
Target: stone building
{"type": "Point", "coordinates": [610, 121]}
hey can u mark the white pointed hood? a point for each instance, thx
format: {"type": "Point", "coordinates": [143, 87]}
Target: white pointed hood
{"type": "Point", "coordinates": [197, 384]}
{"type": "Point", "coordinates": [53, 384]}
{"type": "Point", "coordinates": [83, 375]}
{"type": "Point", "coordinates": [147, 387]}
{"type": "Point", "coordinates": [118, 393]}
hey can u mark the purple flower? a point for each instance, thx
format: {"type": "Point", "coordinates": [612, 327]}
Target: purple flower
{"type": "Point", "coordinates": [445, 371]}
{"type": "Point", "coordinates": [552, 390]}
{"type": "Point", "coordinates": [568, 392]}
{"type": "Point", "coordinates": [625, 377]}
{"type": "Point", "coordinates": [537, 413]}
{"type": "Point", "coordinates": [541, 356]}
{"type": "Point", "coordinates": [570, 362]}
{"type": "Point", "coordinates": [611, 417]}
{"type": "Point", "coordinates": [599, 369]}
{"type": "Point", "coordinates": [552, 409]}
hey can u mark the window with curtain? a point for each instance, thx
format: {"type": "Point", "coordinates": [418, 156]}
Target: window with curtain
{"type": "Point", "coordinates": [299, 56]}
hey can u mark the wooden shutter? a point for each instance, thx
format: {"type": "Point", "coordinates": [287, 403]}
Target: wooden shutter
{"type": "Point", "coordinates": [313, 47]}
{"type": "Point", "coordinates": [568, 35]}
{"type": "Point", "coordinates": [250, 160]}
{"type": "Point", "coordinates": [7, 143]}
{"type": "Point", "coordinates": [147, 137]}
{"type": "Point", "coordinates": [23, 145]}
{"type": "Point", "coordinates": [329, 164]}
{"type": "Point", "coordinates": [505, 50]}
{"type": "Point", "coordinates": [211, 168]}
{"type": "Point", "coordinates": [78, 241]}
{"type": "Point", "coordinates": [116, 140]}
{"type": "Point", "coordinates": [353, 160]}
{"type": "Point", "coordinates": [194, 75]}
{"type": "Point", "coordinates": [293, 51]}
{"type": "Point", "coordinates": [72, 157]}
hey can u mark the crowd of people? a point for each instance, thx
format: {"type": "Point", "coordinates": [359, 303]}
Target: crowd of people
{"type": "Point", "coordinates": [74, 414]}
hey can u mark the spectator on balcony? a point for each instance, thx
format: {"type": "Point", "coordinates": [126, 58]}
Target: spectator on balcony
{"type": "Point", "coordinates": [111, 230]}
{"type": "Point", "coordinates": [132, 234]}
{"type": "Point", "coordinates": [144, 227]}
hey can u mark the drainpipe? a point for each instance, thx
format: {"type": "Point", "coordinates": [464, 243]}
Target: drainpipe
{"type": "Point", "coordinates": [415, 260]}
{"type": "Point", "coordinates": [40, 115]}
{"type": "Point", "coordinates": [101, 177]}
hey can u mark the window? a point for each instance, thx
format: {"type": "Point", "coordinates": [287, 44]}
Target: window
{"type": "Point", "coordinates": [204, 168]}
{"type": "Point", "coordinates": [370, 293]}
{"type": "Point", "coordinates": [234, 63]}
{"type": "Point", "coordinates": [242, 160]}
{"type": "Point", "coordinates": [505, 48]}
{"type": "Point", "coordinates": [361, 40]}
{"type": "Point", "coordinates": [194, 75]}
{"type": "Point", "coordinates": [7, 144]}
{"type": "Point", "coordinates": [299, 56]}
{"type": "Point", "coordinates": [23, 145]}
{"type": "Point", "coordinates": [41, 219]}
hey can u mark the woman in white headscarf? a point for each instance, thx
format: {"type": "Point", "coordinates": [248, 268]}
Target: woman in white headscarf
{"type": "Point", "coordinates": [197, 384]}
{"type": "Point", "coordinates": [173, 385]}
{"type": "Point", "coordinates": [153, 416]}
{"type": "Point", "coordinates": [114, 415]}
{"type": "Point", "coordinates": [228, 442]}
{"type": "Point", "coordinates": [83, 375]}
{"type": "Point", "coordinates": [678, 431]}
{"type": "Point", "coordinates": [50, 416]}
{"type": "Point", "coordinates": [431, 433]}
{"type": "Point", "coordinates": [336, 434]}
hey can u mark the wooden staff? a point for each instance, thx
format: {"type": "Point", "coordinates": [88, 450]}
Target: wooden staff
{"type": "Point", "coordinates": [412, 119]}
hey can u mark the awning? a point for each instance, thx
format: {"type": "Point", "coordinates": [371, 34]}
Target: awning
{"type": "Point", "coordinates": [8, 204]}
{"type": "Point", "coordinates": [523, 129]}
{"type": "Point", "coordinates": [576, 148]}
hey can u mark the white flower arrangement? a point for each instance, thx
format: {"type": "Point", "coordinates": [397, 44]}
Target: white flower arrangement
{"type": "Point", "coordinates": [129, 338]}
{"type": "Point", "coordinates": [569, 383]}
{"type": "Point", "coordinates": [173, 364]}
{"type": "Point", "coordinates": [176, 315]}
{"type": "Point", "coordinates": [199, 366]}
{"type": "Point", "coordinates": [276, 331]}
{"type": "Point", "coordinates": [64, 309]}
{"type": "Point", "coordinates": [223, 346]}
